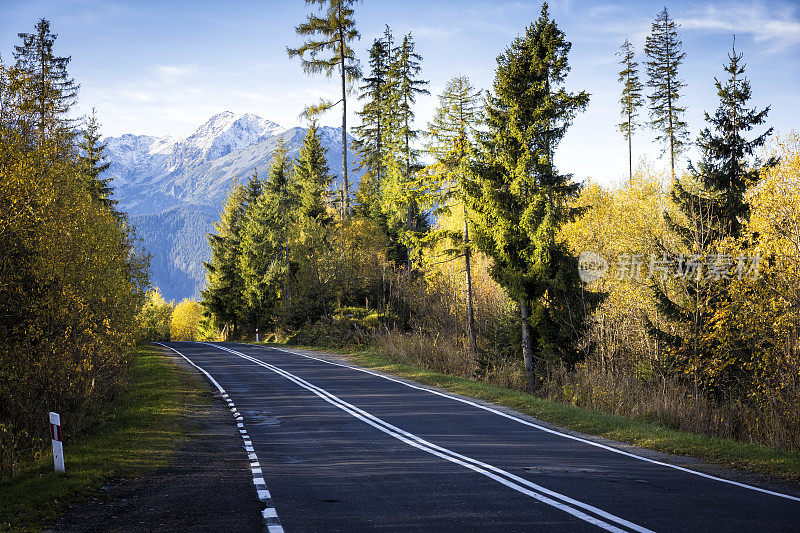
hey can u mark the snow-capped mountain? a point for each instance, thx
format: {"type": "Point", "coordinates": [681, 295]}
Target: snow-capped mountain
{"type": "Point", "coordinates": [219, 136]}
{"type": "Point", "coordinates": [173, 188]}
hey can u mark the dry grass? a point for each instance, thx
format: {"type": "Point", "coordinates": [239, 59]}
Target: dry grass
{"type": "Point", "coordinates": [669, 402]}
{"type": "Point", "coordinates": [439, 353]}
{"type": "Point", "coordinates": [673, 403]}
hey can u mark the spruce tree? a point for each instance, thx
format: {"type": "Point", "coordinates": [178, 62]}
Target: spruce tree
{"type": "Point", "coordinates": [663, 47]}
{"type": "Point", "coordinates": [369, 135]}
{"type": "Point", "coordinates": [253, 189]}
{"type": "Point", "coordinates": [223, 298]}
{"type": "Point", "coordinates": [728, 173]}
{"type": "Point", "coordinates": [408, 86]}
{"type": "Point", "coordinates": [520, 200]}
{"type": "Point", "coordinates": [399, 200]}
{"type": "Point", "coordinates": [714, 202]}
{"type": "Point", "coordinates": [336, 29]}
{"type": "Point", "coordinates": [93, 163]}
{"type": "Point", "coordinates": [46, 91]}
{"type": "Point", "coordinates": [313, 179]}
{"type": "Point", "coordinates": [266, 237]}
{"type": "Point", "coordinates": [631, 99]}
{"type": "Point", "coordinates": [451, 142]}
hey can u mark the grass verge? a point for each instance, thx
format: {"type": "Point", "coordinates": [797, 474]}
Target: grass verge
{"type": "Point", "coordinates": [728, 452]}
{"type": "Point", "coordinates": [140, 434]}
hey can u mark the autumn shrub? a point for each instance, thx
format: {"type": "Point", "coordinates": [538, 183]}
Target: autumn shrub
{"type": "Point", "coordinates": [627, 372]}
{"type": "Point", "coordinates": [332, 332]}
{"type": "Point", "coordinates": [757, 324]}
{"type": "Point", "coordinates": [70, 289]}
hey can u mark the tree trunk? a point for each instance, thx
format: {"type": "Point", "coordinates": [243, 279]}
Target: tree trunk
{"type": "Point", "coordinates": [473, 345]}
{"type": "Point", "coordinates": [345, 182]}
{"type": "Point", "coordinates": [527, 343]}
{"type": "Point", "coordinates": [287, 299]}
{"type": "Point", "coordinates": [630, 153]}
{"type": "Point", "coordinates": [409, 228]}
{"type": "Point", "coordinates": [669, 105]}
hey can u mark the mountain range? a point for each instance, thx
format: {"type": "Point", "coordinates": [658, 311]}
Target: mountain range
{"type": "Point", "coordinates": [173, 188]}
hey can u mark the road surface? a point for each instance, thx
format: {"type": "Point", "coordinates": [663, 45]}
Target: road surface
{"type": "Point", "coordinates": [337, 448]}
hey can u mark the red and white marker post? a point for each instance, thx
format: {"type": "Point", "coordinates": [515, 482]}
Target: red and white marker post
{"type": "Point", "coordinates": [58, 448]}
{"type": "Point", "coordinates": [256, 334]}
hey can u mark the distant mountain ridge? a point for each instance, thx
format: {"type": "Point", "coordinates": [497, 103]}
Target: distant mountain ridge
{"type": "Point", "coordinates": [173, 188]}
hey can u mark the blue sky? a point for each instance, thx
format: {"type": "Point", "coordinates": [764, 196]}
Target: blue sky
{"type": "Point", "coordinates": [163, 67]}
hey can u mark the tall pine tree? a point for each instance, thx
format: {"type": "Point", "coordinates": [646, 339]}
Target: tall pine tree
{"type": "Point", "coordinates": [451, 140]}
{"type": "Point", "coordinates": [399, 201]}
{"type": "Point", "coordinates": [521, 200]}
{"type": "Point", "coordinates": [369, 135]}
{"type": "Point", "coordinates": [266, 240]}
{"type": "Point", "coordinates": [46, 90]}
{"type": "Point", "coordinates": [663, 47]}
{"type": "Point", "coordinates": [313, 179]}
{"type": "Point", "coordinates": [336, 30]}
{"type": "Point", "coordinates": [631, 99]}
{"type": "Point", "coordinates": [714, 203]}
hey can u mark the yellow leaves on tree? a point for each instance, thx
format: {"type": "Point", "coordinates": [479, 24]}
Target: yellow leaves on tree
{"type": "Point", "coordinates": [154, 320]}
{"type": "Point", "coordinates": [185, 322]}
{"type": "Point", "coordinates": [623, 222]}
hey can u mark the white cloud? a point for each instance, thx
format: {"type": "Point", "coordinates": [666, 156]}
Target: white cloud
{"type": "Point", "coordinates": [778, 27]}
{"type": "Point", "coordinates": [434, 33]}
{"type": "Point", "coordinates": [175, 72]}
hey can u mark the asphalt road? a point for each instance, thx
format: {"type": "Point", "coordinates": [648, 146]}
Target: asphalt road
{"type": "Point", "coordinates": [340, 449]}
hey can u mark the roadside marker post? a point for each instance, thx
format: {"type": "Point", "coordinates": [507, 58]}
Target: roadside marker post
{"type": "Point", "coordinates": [256, 334]}
{"type": "Point", "coordinates": [55, 435]}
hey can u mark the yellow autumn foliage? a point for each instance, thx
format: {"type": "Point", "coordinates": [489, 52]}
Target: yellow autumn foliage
{"type": "Point", "coordinates": [624, 226]}
{"type": "Point", "coordinates": [185, 321]}
{"type": "Point", "coordinates": [155, 318]}
{"type": "Point", "coordinates": [71, 279]}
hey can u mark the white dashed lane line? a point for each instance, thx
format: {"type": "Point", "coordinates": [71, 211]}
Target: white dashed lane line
{"type": "Point", "coordinates": [269, 514]}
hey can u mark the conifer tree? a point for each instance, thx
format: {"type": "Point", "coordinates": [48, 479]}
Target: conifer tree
{"type": "Point", "coordinates": [336, 29]}
{"type": "Point", "coordinates": [631, 99]}
{"type": "Point", "coordinates": [46, 90]}
{"type": "Point", "coordinates": [223, 298]}
{"type": "Point", "coordinates": [663, 47]}
{"type": "Point", "coordinates": [266, 236]}
{"type": "Point", "coordinates": [401, 158]}
{"type": "Point", "coordinates": [408, 86]}
{"type": "Point", "coordinates": [313, 179]}
{"type": "Point", "coordinates": [520, 199]}
{"type": "Point", "coordinates": [369, 135]}
{"type": "Point", "coordinates": [727, 172]}
{"type": "Point", "coordinates": [253, 189]}
{"type": "Point", "coordinates": [451, 137]}
{"type": "Point", "coordinates": [93, 163]}
{"type": "Point", "coordinates": [714, 202]}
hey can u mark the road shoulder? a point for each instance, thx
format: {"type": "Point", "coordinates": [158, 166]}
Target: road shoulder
{"type": "Point", "coordinates": [206, 486]}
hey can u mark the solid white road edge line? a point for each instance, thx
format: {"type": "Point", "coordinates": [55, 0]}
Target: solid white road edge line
{"type": "Point", "coordinates": [542, 428]}
{"type": "Point", "coordinates": [269, 515]}
{"type": "Point", "coordinates": [508, 479]}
